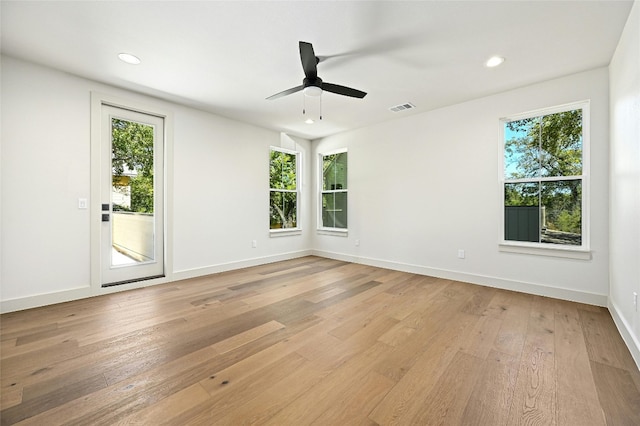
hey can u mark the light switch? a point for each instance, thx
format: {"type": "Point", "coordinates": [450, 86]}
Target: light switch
{"type": "Point", "coordinates": [82, 203]}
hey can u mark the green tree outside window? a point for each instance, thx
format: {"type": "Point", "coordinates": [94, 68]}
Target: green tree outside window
{"type": "Point", "coordinates": [283, 194]}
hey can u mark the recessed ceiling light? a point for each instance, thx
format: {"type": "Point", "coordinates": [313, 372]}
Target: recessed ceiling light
{"type": "Point", "coordinates": [129, 58]}
{"type": "Point", "coordinates": [309, 121]}
{"type": "Point", "coordinates": [494, 61]}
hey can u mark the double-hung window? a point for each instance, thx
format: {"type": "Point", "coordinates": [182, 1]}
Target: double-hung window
{"type": "Point", "coordinates": [284, 192]}
{"type": "Point", "coordinates": [333, 193]}
{"type": "Point", "coordinates": [544, 178]}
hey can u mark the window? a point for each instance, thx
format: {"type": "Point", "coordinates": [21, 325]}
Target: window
{"type": "Point", "coordinates": [333, 195]}
{"type": "Point", "coordinates": [284, 192]}
{"type": "Point", "coordinates": [544, 178]}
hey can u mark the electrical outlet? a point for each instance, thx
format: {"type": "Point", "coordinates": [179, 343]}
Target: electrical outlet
{"type": "Point", "coordinates": [460, 254]}
{"type": "Point", "coordinates": [357, 243]}
{"type": "Point", "coordinates": [254, 243]}
{"type": "Point", "coordinates": [635, 301]}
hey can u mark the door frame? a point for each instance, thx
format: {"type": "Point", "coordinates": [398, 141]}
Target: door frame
{"type": "Point", "coordinates": [99, 99]}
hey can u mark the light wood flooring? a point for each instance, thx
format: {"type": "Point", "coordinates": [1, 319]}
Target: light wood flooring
{"type": "Point", "coordinates": [316, 341]}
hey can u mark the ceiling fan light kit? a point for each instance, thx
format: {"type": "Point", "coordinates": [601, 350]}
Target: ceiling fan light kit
{"type": "Point", "coordinates": [312, 91]}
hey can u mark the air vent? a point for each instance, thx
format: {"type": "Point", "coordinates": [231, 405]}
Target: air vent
{"type": "Point", "coordinates": [402, 107]}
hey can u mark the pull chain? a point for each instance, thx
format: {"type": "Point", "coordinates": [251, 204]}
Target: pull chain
{"type": "Point", "coordinates": [304, 105]}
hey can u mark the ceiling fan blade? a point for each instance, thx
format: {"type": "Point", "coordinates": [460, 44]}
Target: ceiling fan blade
{"type": "Point", "coordinates": [309, 60]}
{"type": "Point", "coordinates": [285, 92]}
{"type": "Point", "coordinates": [343, 90]}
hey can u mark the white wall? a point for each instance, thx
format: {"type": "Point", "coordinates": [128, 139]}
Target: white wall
{"type": "Point", "coordinates": [220, 176]}
{"type": "Point", "coordinates": [424, 186]}
{"type": "Point", "coordinates": [625, 182]}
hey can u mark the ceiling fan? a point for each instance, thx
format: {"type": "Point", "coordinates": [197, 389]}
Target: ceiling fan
{"type": "Point", "coordinates": [313, 85]}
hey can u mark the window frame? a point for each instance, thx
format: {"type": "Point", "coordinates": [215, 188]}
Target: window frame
{"type": "Point", "coordinates": [327, 230]}
{"type": "Point", "coordinates": [277, 232]}
{"type": "Point", "coordinates": [539, 248]}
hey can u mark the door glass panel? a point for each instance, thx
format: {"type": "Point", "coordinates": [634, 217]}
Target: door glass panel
{"type": "Point", "coordinates": [132, 193]}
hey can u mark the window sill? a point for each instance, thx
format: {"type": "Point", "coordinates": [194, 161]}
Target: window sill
{"type": "Point", "coordinates": [284, 232]}
{"type": "Point", "coordinates": [552, 250]}
{"type": "Point", "coordinates": [337, 232]}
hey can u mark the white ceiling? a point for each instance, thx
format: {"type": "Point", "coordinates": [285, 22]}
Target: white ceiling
{"type": "Point", "coordinates": [228, 56]}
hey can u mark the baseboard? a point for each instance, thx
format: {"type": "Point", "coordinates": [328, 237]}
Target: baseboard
{"type": "Point", "coordinates": [488, 281]}
{"type": "Point", "coordinates": [626, 332]}
{"type": "Point", "coordinates": [39, 300]}
{"type": "Point", "coordinates": [230, 266]}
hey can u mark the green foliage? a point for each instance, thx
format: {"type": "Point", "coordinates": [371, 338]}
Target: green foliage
{"type": "Point", "coordinates": [132, 154]}
{"type": "Point", "coordinates": [549, 145]}
{"type": "Point", "coordinates": [568, 221]}
{"type": "Point", "coordinates": [283, 196]}
{"type": "Point", "coordinates": [142, 194]}
{"type": "Point", "coordinates": [521, 194]}
{"type": "Point", "coordinates": [282, 170]}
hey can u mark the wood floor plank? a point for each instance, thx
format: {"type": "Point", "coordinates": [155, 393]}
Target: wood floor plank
{"type": "Point", "coordinates": [397, 334]}
{"type": "Point", "coordinates": [534, 399]}
{"type": "Point", "coordinates": [491, 398]}
{"type": "Point", "coordinates": [357, 403]}
{"type": "Point", "coordinates": [361, 317]}
{"type": "Point", "coordinates": [619, 397]}
{"type": "Point", "coordinates": [10, 396]}
{"type": "Point", "coordinates": [240, 339]}
{"type": "Point", "coordinates": [482, 338]}
{"type": "Point", "coordinates": [276, 397]}
{"type": "Point", "coordinates": [168, 410]}
{"type": "Point", "coordinates": [446, 402]}
{"type": "Point", "coordinates": [313, 340]}
{"type": "Point", "coordinates": [479, 302]}
{"type": "Point", "coordinates": [325, 294]}
{"type": "Point", "coordinates": [577, 396]}
{"type": "Point", "coordinates": [513, 331]}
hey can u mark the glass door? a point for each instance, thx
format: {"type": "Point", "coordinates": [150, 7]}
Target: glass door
{"type": "Point", "coordinates": [132, 196]}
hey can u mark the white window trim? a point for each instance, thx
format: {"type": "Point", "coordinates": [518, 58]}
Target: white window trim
{"type": "Point", "coordinates": [583, 251]}
{"type": "Point", "coordinates": [285, 232]}
{"type": "Point", "coordinates": [325, 230]}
